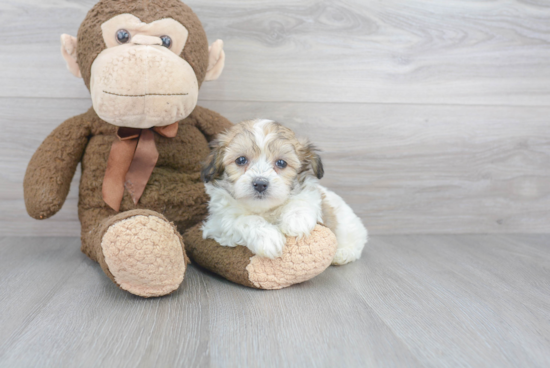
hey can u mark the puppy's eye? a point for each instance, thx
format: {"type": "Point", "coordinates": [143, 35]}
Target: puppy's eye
{"type": "Point", "coordinates": [241, 161]}
{"type": "Point", "coordinates": [166, 41]}
{"type": "Point", "coordinates": [122, 36]}
{"type": "Point", "coordinates": [281, 164]}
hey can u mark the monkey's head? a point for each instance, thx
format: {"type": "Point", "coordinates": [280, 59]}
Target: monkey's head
{"type": "Point", "coordinates": [142, 60]}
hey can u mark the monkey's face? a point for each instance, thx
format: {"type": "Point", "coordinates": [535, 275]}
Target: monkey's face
{"type": "Point", "coordinates": [143, 69]}
{"type": "Point", "coordinates": [139, 80]}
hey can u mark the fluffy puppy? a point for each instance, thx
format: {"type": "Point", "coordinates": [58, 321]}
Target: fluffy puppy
{"type": "Point", "coordinates": [264, 184]}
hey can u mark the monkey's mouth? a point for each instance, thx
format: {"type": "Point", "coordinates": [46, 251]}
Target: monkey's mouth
{"type": "Point", "coordinates": [147, 94]}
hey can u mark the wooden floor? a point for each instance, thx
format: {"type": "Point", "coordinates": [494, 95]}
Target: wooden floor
{"type": "Point", "coordinates": [417, 300]}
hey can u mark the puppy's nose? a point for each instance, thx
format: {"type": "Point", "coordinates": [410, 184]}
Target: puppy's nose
{"type": "Point", "coordinates": [260, 185]}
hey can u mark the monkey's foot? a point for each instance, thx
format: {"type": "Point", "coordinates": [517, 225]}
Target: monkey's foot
{"type": "Point", "coordinates": [302, 259]}
{"type": "Point", "coordinates": [144, 255]}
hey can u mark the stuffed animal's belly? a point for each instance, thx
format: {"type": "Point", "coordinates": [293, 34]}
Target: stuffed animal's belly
{"type": "Point", "coordinates": [174, 188]}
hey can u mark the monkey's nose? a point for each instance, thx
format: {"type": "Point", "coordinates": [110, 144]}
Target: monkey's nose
{"type": "Point", "coordinates": [146, 40]}
{"type": "Point", "coordinates": [260, 185]}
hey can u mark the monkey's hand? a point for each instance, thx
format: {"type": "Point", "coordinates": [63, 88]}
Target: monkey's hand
{"type": "Point", "coordinates": [52, 167]}
{"type": "Point", "coordinates": [209, 122]}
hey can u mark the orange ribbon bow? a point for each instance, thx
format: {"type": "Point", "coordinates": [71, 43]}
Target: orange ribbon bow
{"type": "Point", "coordinates": [131, 162]}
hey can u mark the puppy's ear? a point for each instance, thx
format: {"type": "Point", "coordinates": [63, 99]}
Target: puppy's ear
{"type": "Point", "coordinates": [313, 159]}
{"type": "Point", "coordinates": [317, 166]}
{"type": "Point", "coordinates": [212, 167]}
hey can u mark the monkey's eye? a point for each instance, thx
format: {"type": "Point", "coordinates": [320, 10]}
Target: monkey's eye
{"type": "Point", "coordinates": [241, 161]}
{"type": "Point", "coordinates": [281, 164]}
{"type": "Point", "coordinates": [166, 41]}
{"type": "Point", "coordinates": [122, 36]}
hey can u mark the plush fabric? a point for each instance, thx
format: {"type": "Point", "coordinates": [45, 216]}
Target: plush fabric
{"type": "Point", "coordinates": [174, 188]}
{"type": "Point", "coordinates": [52, 167]}
{"type": "Point", "coordinates": [68, 51]}
{"type": "Point", "coordinates": [133, 24]}
{"type": "Point", "coordinates": [143, 86]}
{"type": "Point", "coordinates": [301, 261]}
{"type": "Point", "coordinates": [132, 159]}
{"type": "Point", "coordinates": [90, 46]}
{"type": "Point", "coordinates": [216, 61]}
{"type": "Point", "coordinates": [141, 252]}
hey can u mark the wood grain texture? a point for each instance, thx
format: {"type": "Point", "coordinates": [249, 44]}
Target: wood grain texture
{"type": "Point", "coordinates": [398, 51]}
{"type": "Point", "coordinates": [404, 169]}
{"type": "Point", "coordinates": [411, 301]}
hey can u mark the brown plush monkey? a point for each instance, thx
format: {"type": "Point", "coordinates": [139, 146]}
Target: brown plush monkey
{"type": "Point", "coordinates": [140, 145]}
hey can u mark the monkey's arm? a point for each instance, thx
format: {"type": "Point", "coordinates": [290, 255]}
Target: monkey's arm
{"type": "Point", "coordinates": [210, 122]}
{"type": "Point", "coordinates": [52, 167]}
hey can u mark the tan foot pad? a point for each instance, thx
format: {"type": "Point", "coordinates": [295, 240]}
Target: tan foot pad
{"type": "Point", "coordinates": [302, 260]}
{"type": "Point", "coordinates": [144, 255]}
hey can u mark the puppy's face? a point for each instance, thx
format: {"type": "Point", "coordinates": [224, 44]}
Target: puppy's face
{"type": "Point", "coordinates": [260, 162]}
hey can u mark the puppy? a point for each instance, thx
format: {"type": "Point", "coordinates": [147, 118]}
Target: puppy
{"type": "Point", "coordinates": [263, 184]}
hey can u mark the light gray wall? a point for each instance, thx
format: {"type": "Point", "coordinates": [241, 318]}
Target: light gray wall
{"type": "Point", "coordinates": [433, 116]}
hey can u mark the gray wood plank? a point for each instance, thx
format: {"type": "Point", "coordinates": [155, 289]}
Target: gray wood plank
{"type": "Point", "coordinates": [398, 51]}
{"type": "Point", "coordinates": [32, 270]}
{"type": "Point", "coordinates": [404, 169]}
{"type": "Point", "coordinates": [316, 324]}
{"type": "Point", "coordinates": [91, 323]}
{"type": "Point", "coordinates": [419, 300]}
{"type": "Point", "coordinates": [468, 295]}
{"type": "Point", "coordinates": [208, 322]}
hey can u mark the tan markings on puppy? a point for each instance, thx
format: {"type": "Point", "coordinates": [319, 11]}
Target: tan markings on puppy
{"type": "Point", "coordinates": [329, 213]}
{"type": "Point", "coordinates": [310, 159]}
{"type": "Point", "coordinates": [242, 145]}
{"type": "Point", "coordinates": [282, 144]}
{"type": "Point", "coordinates": [276, 142]}
{"type": "Point", "coordinates": [260, 162]}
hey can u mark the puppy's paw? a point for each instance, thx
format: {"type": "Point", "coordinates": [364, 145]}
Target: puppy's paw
{"type": "Point", "coordinates": [268, 242]}
{"type": "Point", "coordinates": [346, 255]}
{"type": "Point", "coordinates": [299, 223]}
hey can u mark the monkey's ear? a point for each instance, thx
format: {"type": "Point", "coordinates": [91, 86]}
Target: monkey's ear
{"type": "Point", "coordinates": [68, 50]}
{"type": "Point", "coordinates": [216, 61]}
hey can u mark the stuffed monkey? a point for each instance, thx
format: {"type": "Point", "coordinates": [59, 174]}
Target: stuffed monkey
{"type": "Point", "coordinates": [141, 147]}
